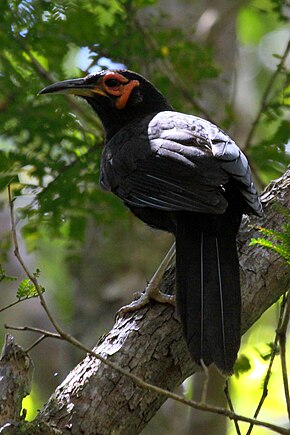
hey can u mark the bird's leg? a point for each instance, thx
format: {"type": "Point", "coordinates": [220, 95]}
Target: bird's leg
{"type": "Point", "coordinates": [151, 292]}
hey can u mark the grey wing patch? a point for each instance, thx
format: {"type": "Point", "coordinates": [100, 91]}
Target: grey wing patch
{"type": "Point", "coordinates": [235, 163]}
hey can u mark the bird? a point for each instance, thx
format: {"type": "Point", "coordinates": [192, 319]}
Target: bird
{"type": "Point", "coordinates": [184, 175]}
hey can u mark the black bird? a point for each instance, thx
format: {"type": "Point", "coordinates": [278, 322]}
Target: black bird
{"type": "Point", "coordinates": [182, 174]}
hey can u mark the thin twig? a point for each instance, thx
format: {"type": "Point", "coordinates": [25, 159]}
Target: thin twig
{"type": "Point", "coordinates": [32, 277]}
{"type": "Point", "coordinates": [281, 332]}
{"type": "Point", "coordinates": [264, 100]}
{"type": "Point", "coordinates": [136, 379]}
{"type": "Point", "coordinates": [13, 304]}
{"type": "Point", "coordinates": [269, 370]}
{"type": "Point", "coordinates": [231, 406]}
{"type": "Point", "coordinates": [33, 329]}
{"type": "Point", "coordinates": [45, 334]}
{"type": "Point", "coordinates": [36, 342]}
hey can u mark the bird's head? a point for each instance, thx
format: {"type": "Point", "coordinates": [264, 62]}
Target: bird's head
{"type": "Point", "coordinates": [118, 96]}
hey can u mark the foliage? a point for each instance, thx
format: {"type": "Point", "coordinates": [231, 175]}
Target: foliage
{"type": "Point", "coordinates": [51, 147]}
{"type": "Point", "coordinates": [56, 158]}
{"type": "Point", "coordinates": [26, 289]}
{"type": "Point", "coordinates": [277, 241]}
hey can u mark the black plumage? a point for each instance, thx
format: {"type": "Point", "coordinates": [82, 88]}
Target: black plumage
{"type": "Point", "coordinates": [182, 174]}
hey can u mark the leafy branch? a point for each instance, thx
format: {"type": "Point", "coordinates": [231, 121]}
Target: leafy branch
{"type": "Point", "coordinates": [26, 289]}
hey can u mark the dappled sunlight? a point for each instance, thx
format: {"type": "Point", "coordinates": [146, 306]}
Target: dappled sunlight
{"type": "Point", "coordinates": [31, 403]}
{"type": "Point", "coordinates": [259, 370]}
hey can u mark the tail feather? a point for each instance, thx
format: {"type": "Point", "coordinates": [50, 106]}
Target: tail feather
{"type": "Point", "coordinates": [221, 296]}
{"type": "Point", "coordinates": [208, 291]}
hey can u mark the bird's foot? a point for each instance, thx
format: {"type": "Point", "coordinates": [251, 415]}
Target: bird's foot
{"type": "Point", "coordinates": [151, 292]}
{"type": "Point", "coordinates": [143, 298]}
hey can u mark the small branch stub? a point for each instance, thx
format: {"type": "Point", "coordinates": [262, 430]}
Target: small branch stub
{"type": "Point", "coordinates": [16, 369]}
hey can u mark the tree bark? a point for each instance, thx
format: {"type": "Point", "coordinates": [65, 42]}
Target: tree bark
{"type": "Point", "coordinates": [94, 399]}
{"type": "Point", "coordinates": [16, 370]}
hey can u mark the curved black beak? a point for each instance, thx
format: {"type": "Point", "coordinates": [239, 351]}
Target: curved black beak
{"type": "Point", "coordinates": [73, 86]}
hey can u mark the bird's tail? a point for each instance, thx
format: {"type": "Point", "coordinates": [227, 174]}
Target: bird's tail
{"type": "Point", "coordinates": [208, 288]}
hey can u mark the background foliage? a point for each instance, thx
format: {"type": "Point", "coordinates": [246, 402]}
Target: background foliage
{"type": "Point", "coordinates": [218, 62]}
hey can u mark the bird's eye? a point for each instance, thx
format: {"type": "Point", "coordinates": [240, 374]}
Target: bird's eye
{"type": "Point", "coordinates": [111, 83]}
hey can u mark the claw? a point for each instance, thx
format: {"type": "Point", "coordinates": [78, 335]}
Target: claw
{"type": "Point", "coordinates": [144, 299]}
{"type": "Point", "coordinates": [134, 305]}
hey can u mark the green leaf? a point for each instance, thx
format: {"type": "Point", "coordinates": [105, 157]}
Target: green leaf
{"type": "Point", "coordinates": [27, 290]}
{"type": "Point", "coordinates": [277, 241]}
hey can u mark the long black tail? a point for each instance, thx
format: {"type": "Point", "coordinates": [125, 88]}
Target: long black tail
{"type": "Point", "coordinates": [208, 287]}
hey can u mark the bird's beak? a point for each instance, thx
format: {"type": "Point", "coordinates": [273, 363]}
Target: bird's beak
{"type": "Point", "coordinates": [74, 87]}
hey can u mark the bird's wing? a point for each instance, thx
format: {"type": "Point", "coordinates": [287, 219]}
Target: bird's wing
{"type": "Point", "coordinates": [175, 162]}
{"type": "Point", "coordinates": [170, 180]}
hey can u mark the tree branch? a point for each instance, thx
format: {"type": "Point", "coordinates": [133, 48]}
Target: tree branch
{"type": "Point", "coordinates": [94, 398]}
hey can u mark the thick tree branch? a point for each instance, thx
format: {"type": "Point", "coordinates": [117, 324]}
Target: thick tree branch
{"type": "Point", "coordinates": [94, 399]}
